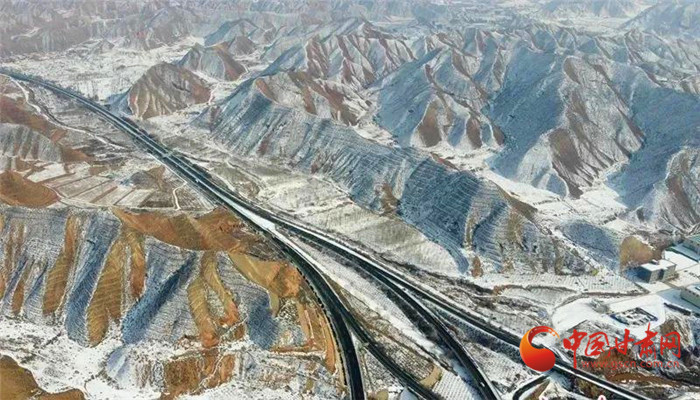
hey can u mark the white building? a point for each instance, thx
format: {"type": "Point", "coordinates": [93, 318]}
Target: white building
{"type": "Point", "coordinates": [693, 243]}
{"type": "Point", "coordinates": [657, 270]}
{"type": "Point", "coordinates": [691, 293]}
{"type": "Point", "coordinates": [689, 248]}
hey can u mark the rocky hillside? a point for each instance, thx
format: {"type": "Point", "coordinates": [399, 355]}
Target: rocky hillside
{"type": "Point", "coordinates": [215, 61]}
{"type": "Point", "coordinates": [675, 199]}
{"type": "Point", "coordinates": [464, 91]}
{"type": "Point", "coordinates": [563, 126]}
{"type": "Point", "coordinates": [453, 208]}
{"type": "Point", "coordinates": [33, 29]}
{"type": "Point", "coordinates": [515, 155]}
{"type": "Point", "coordinates": [166, 88]}
{"type": "Point", "coordinates": [100, 275]}
{"type": "Point", "coordinates": [597, 8]}
{"type": "Point", "coordinates": [553, 106]}
{"type": "Point", "coordinates": [676, 17]}
{"type": "Point", "coordinates": [131, 281]}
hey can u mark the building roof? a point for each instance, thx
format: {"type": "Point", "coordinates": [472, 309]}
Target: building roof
{"type": "Point", "coordinates": [651, 267]}
{"type": "Point", "coordinates": [694, 238]}
{"type": "Point", "coordinates": [695, 288]}
{"type": "Point", "coordinates": [686, 251]}
{"type": "Point", "coordinates": [681, 260]}
{"type": "Point", "coordinates": [658, 265]}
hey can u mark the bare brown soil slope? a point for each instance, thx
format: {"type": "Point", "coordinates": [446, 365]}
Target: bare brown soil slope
{"type": "Point", "coordinates": [15, 190]}
{"type": "Point", "coordinates": [164, 89]}
{"type": "Point", "coordinates": [18, 383]}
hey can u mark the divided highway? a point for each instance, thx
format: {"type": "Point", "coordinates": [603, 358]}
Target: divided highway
{"type": "Point", "coordinates": [412, 293]}
{"type": "Point", "coordinates": [339, 316]}
{"type": "Point", "coordinates": [331, 303]}
{"type": "Point", "coordinates": [440, 301]}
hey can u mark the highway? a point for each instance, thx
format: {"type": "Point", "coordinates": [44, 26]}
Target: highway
{"type": "Point", "coordinates": [446, 304]}
{"type": "Point", "coordinates": [528, 386]}
{"type": "Point", "coordinates": [339, 316]}
{"type": "Point", "coordinates": [483, 384]}
{"type": "Point", "coordinates": [411, 292]}
{"type": "Point", "coordinates": [330, 302]}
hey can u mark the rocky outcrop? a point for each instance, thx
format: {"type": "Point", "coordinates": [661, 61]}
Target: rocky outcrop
{"type": "Point", "coordinates": [349, 51]}
{"type": "Point", "coordinates": [327, 99]}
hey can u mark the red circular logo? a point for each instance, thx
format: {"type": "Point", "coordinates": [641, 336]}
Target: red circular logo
{"type": "Point", "coordinates": [538, 359]}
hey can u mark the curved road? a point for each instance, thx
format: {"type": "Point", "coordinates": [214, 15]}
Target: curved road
{"type": "Point", "coordinates": [529, 385]}
{"type": "Point", "coordinates": [446, 304]}
{"type": "Point", "coordinates": [339, 316]}
{"type": "Point", "coordinates": [329, 301]}
{"type": "Point", "coordinates": [267, 221]}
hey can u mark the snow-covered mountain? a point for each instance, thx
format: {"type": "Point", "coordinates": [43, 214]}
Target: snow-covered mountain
{"type": "Point", "coordinates": [144, 283]}
{"type": "Point", "coordinates": [214, 61]}
{"type": "Point", "coordinates": [597, 8]}
{"type": "Point", "coordinates": [517, 156]}
{"type": "Point", "coordinates": [676, 17]}
{"type": "Point", "coordinates": [165, 88]}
